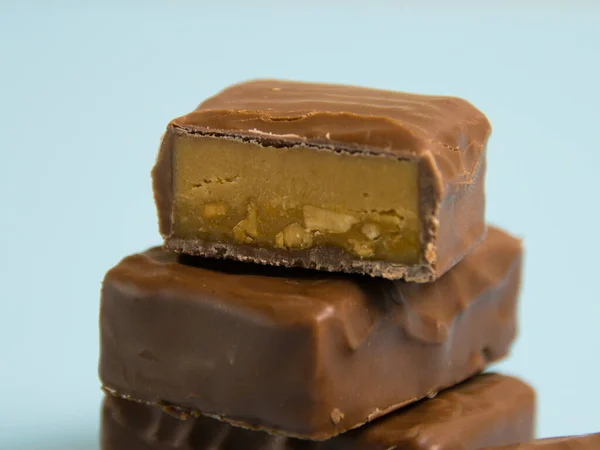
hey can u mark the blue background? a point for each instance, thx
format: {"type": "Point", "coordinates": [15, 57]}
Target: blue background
{"type": "Point", "coordinates": [85, 93]}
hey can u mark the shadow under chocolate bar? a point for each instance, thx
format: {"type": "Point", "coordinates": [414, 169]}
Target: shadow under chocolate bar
{"type": "Point", "coordinates": [296, 352]}
{"type": "Point", "coordinates": [489, 409]}
{"type": "Point", "coordinates": [329, 177]}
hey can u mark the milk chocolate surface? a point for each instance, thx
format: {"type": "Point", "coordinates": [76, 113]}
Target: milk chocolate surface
{"type": "Point", "coordinates": [489, 409]}
{"type": "Point", "coordinates": [584, 442]}
{"type": "Point", "coordinates": [329, 177]}
{"type": "Point", "coordinates": [298, 352]}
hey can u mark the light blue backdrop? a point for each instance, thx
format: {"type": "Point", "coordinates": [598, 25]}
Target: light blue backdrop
{"type": "Point", "coordinates": [85, 92]}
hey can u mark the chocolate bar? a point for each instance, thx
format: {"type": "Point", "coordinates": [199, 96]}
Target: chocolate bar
{"type": "Point", "coordinates": [298, 352]}
{"type": "Point", "coordinates": [489, 409]}
{"type": "Point", "coordinates": [584, 442]}
{"type": "Point", "coordinates": [328, 177]}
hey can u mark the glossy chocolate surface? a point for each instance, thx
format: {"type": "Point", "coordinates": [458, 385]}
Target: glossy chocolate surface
{"type": "Point", "coordinates": [298, 352]}
{"type": "Point", "coordinates": [489, 409]}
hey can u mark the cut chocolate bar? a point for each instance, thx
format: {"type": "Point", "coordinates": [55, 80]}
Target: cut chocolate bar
{"type": "Point", "coordinates": [329, 177]}
{"type": "Point", "coordinates": [298, 352]}
{"type": "Point", "coordinates": [488, 410]}
{"type": "Point", "coordinates": [584, 442]}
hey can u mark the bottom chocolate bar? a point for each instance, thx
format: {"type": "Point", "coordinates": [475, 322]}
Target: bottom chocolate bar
{"type": "Point", "coordinates": [488, 410]}
{"type": "Point", "coordinates": [584, 442]}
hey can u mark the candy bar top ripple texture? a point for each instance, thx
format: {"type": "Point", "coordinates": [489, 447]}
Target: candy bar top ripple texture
{"type": "Point", "coordinates": [331, 177]}
{"type": "Point", "coordinates": [584, 442]}
{"type": "Point", "coordinates": [489, 409]}
{"type": "Point", "coordinates": [297, 352]}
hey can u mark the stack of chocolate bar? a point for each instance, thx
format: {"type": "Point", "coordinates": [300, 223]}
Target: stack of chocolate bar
{"type": "Point", "coordinates": [327, 281]}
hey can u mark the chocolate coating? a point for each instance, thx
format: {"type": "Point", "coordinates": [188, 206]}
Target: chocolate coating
{"type": "Point", "coordinates": [489, 409]}
{"type": "Point", "coordinates": [446, 136]}
{"type": "Point", "coordinates": [584, 442]}
{"type": "Point", "coordinates": [302, 353]}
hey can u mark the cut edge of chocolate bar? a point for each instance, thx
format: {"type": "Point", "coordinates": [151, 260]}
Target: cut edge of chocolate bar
{"type": "Point", "coordinates": [432, 264]}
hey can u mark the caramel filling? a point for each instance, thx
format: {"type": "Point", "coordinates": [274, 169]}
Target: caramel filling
{"type": "Point", "coordinates": [296, 198]}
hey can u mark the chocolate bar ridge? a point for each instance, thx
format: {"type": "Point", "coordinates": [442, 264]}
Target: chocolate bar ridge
{"type": "Point", "coordinates": [445, 136]}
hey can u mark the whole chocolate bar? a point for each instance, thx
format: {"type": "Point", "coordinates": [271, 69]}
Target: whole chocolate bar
{"type": "Point", "coordinates": [489, 409]}
{"type": "Point", "coordinates": [584, 442]}
{"type": "Point", "coordinates": [297, 352]}
{"type": "Point", "coordinates": [329, 177]}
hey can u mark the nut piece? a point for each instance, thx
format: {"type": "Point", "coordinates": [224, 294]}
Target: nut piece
{"type": "Point", "coordinates": [388, 219]}
{"type": "Point", "coordinates": [430, 253]}
{"type": "Point", "coordinates": [213, 210]}
{"type": "Point", "coordinates": [362, 248]}
{"type": "Point", "coordinates": [293, 236]}
{"type": "Point", "coordinates": [336, 416]}
{"type": "Point", "coordinates": [240, 235]}
{"type": "Point", "coordinates": [371, 230]}
{"type": "Point", "coordinates": [246, 230]}
{"type": "Point", "coordinates": [328, 221]}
